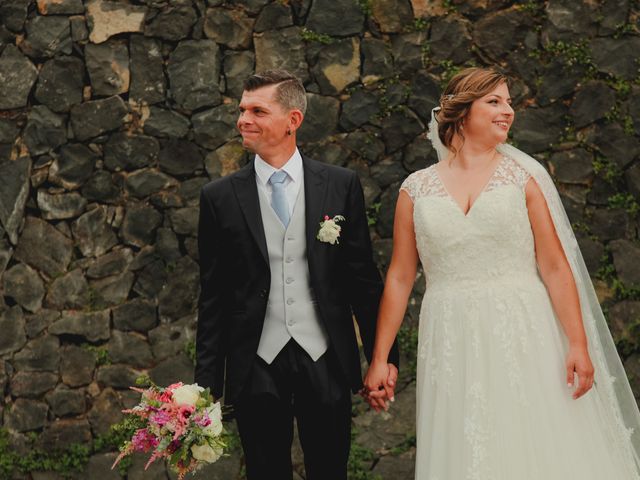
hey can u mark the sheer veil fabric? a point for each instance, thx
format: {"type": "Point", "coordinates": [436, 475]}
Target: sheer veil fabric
{"type": "Point", "coordinates": [611, 383]}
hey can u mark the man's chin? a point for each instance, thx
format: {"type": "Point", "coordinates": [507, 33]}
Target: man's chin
{"type": "Point", "coordinates": [248, 145]}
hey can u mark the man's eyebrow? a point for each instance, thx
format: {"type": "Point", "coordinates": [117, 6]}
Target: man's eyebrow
{"type": "Point", "coordinates": [252, 107]}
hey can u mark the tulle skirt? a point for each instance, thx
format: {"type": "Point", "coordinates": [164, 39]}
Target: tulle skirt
{"type": "Point", "coordinates": [492, 395]}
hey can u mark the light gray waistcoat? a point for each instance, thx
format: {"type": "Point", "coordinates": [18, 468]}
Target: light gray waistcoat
{"type": "Point", "coordinates": [291, 311]}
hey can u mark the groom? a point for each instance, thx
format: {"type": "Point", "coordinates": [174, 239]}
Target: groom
{"type": "Point", "coordinates": [275, 327]}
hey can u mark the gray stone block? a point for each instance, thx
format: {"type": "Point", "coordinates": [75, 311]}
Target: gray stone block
{"type": "Point", "coordinates": [13, 336]}
{"type": "Point", "coordinates": [60, 83]}
{"type": "Point", "coordinates": [24, 415]}
{"type": "Point", "coordinates": [108, 67]}
{"type": "Point", "coordinates": [23, 284]}
{"type": "Point", "coordinates": [138, 314]}
{"type": "Point", "coordinates": [194, 69]}
{"type": "Point", "coordinates": [44, 247]}
{"type": "Point", "coordinates": [148, 83]}
{"type": "Point", "coordinates": [231, 28]}
{"type": "Point", "coordinates": [92, 326]}
{"type": "Point", "coordinates": [173, 22]}
{"type": "Point", "coordinates": [76, 366]}
{"type": "Point", "coordinates": [90, 119]}
{"type": "Point", "coordinates": [47, 36]}
{"type": "Point", "coordinates": [73, 167]}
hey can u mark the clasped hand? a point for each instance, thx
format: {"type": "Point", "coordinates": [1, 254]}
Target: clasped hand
{"type": "Point", "coordinates": [379, 385]}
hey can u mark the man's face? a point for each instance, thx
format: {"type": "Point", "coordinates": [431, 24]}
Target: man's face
{"type": "Point", "coordinates": [263, 122]}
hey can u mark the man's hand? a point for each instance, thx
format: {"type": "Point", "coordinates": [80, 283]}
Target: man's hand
{"type": "Point", "coordinates": [379, 385]}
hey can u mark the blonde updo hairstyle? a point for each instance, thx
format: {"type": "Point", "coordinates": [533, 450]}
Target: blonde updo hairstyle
{"type": "Point", "coordinates": [462, 90]}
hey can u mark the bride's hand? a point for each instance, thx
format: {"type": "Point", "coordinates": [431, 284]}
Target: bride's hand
{"type": "Point", "coordinates": [578, 361]}
{"type": "Point", "coordinates": [376, 388]}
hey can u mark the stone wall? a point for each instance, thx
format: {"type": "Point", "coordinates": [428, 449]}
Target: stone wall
{"type": "Point", "coordinates": [113, 114]}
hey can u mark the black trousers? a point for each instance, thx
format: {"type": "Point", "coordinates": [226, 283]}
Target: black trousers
{"type": "Point", "coordinates": [317, 395]}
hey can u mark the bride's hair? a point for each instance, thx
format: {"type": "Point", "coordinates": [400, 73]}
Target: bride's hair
{"type": "Point", "coordinates": [462, 90]}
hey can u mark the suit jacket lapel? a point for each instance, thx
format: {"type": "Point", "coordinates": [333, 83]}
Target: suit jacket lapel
{"type": "Point", "coordinates": [247, 193]}
{"type": "Point", "coordinates": [315, 190]}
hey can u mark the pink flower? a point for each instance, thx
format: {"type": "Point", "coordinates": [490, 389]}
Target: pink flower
{"type": "Point", "coordinates": [143, 440]}
{"type": "Point", "coordinates": [166, 396]}
{"type": "Point", "coordinates": [184, 413]}
{"type": "Point", "coordinates": [160, 417]}
{"type": "Point", "coordinates": [203, 420]}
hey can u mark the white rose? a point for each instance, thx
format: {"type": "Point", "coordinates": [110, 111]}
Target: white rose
{"type": "Point", "coordinates": [329, 232]}
{"type": "Point", "coordinates": [206, 453]}
{"type": "Point", "coordinates": [214, 412]}
{"type": "Point", "coordinates": [187, 394]}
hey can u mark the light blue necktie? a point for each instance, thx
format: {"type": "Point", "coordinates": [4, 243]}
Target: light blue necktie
{"type": "Point", "coordinates": [279, 197]}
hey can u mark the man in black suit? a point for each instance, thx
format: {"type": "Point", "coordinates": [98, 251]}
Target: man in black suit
{"type": "Point", "coordinates": [275, 328]}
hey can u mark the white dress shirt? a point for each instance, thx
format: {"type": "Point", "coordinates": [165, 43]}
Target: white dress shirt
{"type": "Point", "coordinates": [292, 183]}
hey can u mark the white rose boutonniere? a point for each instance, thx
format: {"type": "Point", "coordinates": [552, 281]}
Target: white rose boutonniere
{"type": "Point", "coordinates": [330, 230]}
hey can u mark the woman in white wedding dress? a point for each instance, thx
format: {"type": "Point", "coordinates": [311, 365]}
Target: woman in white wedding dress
{"type": "Point", "coordinates": [511, 335]}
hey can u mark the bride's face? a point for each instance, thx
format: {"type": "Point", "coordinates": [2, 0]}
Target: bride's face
{"type": "Point", "coordinates": [490, 117]}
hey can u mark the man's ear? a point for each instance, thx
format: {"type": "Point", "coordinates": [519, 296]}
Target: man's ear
{"type": "Point", "coordinates": [295, 119]}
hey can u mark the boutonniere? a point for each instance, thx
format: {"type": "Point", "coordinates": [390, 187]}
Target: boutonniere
{"type": "Point", "coordinates": [330, 230]}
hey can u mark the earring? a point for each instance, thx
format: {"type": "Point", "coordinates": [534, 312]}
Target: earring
{"type": "Point", "coordinates": [289, 132]}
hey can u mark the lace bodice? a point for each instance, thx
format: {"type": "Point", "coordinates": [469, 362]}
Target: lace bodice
{"type": "Point", "coordinates": [492, 242]}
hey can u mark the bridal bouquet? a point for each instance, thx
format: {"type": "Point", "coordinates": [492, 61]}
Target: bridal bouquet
{"type": "Point", "coordinates": [180, 423]}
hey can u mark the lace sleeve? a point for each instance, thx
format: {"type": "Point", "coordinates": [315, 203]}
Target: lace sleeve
{"type": "Point", "coordinates": [417, 184]}
{"type": "Point", "coordinates": [509, 172]}
{"type": "Point", "coordinates": [521, 176]}
{"type": "Point", "coordinates": [409, 186]}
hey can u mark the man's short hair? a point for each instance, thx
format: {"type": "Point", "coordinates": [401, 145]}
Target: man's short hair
{"type": "Point", "coordinates": [290, 92]}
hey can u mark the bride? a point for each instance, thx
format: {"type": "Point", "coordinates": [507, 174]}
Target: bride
{"type": "Point", "coordinates": [518, 377]}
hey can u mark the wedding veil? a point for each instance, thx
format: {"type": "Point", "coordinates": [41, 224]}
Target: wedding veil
{"type": "Point", "coordinates": [611, 386]}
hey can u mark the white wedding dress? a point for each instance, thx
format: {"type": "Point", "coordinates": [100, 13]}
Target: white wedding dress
{"type": "Point", "coordinates": [492, 396]}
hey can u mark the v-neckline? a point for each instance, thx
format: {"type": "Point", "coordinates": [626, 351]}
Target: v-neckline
{"type": "Point", "coordinates": [482, 190]}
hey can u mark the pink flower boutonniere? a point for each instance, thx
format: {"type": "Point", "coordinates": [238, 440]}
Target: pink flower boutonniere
{"type": "Point", "coordinates": [330, 230]}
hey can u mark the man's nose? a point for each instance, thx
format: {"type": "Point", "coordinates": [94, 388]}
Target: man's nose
{"type": "Point", "coordinates": [243, 118]}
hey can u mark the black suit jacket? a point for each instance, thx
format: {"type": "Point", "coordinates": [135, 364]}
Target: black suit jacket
{"type": "Point", "coordinates": [235, 274]}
